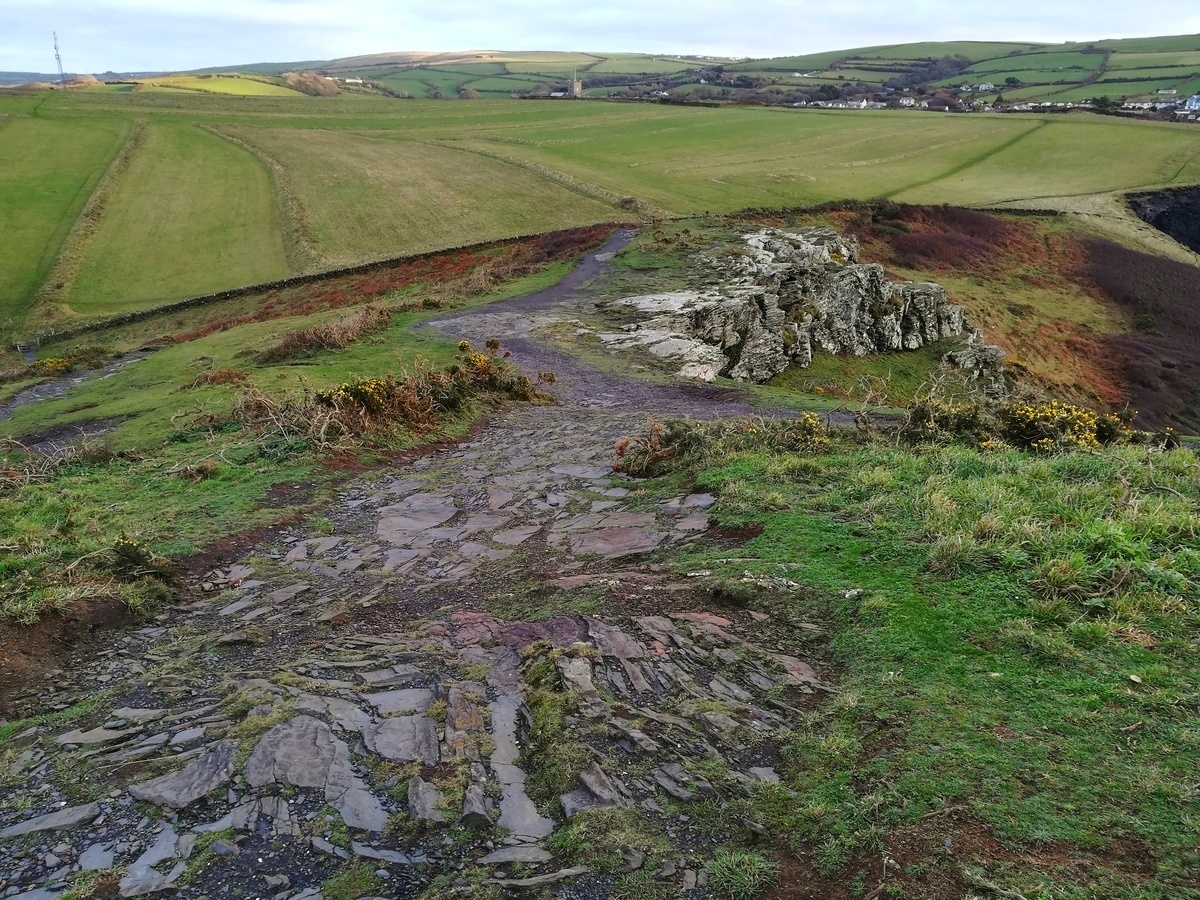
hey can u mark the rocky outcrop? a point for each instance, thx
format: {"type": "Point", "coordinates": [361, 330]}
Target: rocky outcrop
{"type": "Point", "coordinates": [788, 294]}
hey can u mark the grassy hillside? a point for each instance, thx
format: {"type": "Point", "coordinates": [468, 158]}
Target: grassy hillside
{"type": "Point", "coordinates": [1117, 69]}
{"type": "Point", "coordinates": [362, 196]}
{"type": "Point", "coordinates": [353, 178]}
{"type": "Point", "coordinates": [48, 169]}
{"type": "Point", "coordinates": [193, 213]}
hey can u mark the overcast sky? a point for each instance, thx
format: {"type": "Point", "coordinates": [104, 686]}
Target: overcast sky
{"type": "Point", "coordinates": [141, 35]}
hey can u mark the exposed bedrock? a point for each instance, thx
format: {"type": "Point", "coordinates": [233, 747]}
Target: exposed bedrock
{"type": "Point", "coordinates": [788, 294]}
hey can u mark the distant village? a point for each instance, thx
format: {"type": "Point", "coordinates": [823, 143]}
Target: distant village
{"type": "Point", "coordinates": [916, 91]}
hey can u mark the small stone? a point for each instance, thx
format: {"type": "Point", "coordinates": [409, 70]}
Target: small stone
{"type": "Point", "coordinates": [666, 870]}
{"type": "Point", "coordinates": [277, 881]}
{"type": "Point", "coordinates": [225, 847]}
{"type": "Point", "coordinates": [424, 800]}
{"type": "Point", "coordinates": [50, 861]}
{"type": "Point", "coordinates": [634, 860]}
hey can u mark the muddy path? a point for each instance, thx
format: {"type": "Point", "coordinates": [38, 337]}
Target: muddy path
{"type": "Point", "coordinates": [517, 321]}
{"type": "Point", "coordinates": [59, 387]}
{"type": "Point", "coordinates": [425, 684]}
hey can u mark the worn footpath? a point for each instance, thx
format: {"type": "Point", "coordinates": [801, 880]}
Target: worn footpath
{"type": "Point", "coordinates": [400, 685]}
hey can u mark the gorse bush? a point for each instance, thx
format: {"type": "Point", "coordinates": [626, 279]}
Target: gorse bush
{"type": "Point", "coordinates": [1054, 426]}
{"type": "Point", "coordinates": [1036, 426]}
{"type": "Point", "coordinates": [51, 367]}
{"type": "Point", "coordinates": [675, 442]}
{"type": "Point", "coordinates": [413, 400]}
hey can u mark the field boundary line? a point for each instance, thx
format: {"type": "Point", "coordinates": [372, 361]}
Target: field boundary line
{"type": "Point", "coordinates": [570, 182]}
{"type": "Point", "coordinates": [983, 157]}
{"type": "Point", "coordinates": [299, 246]}
{"type": "Point", "coordinates": [53, 336]}
{"type": "Point", "coordinates": [61, 278]}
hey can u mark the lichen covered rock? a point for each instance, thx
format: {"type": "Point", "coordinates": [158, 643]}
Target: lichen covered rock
{"type": "Point", "coordinates": [786, 295]}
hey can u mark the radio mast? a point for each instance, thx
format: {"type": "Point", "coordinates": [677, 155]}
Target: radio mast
{"type": "Point", "coordinates": [58, 57]}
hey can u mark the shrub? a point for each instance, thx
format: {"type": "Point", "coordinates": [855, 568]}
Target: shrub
{"type": "Point", "coordinates": [216, 376]}
{"type": "Point", "coordinates": [1048, 427]}
{"type": "Point", "coordinates": [934, 419]}
{"type": "Point", "coordinates": [52, 367]}
{"type": "Point", "coordinates": [331, 336]}
{"type": "Point", "coordinates": [416, 400]}
{"type": "Point", "coordinates": [664, 445]}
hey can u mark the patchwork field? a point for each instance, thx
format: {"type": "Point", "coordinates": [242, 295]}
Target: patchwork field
{"type": "Point", "coordinates": [274, 184]}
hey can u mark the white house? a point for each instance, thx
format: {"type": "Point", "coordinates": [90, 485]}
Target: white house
{"type": "Point", "coordinates": [985, 86]}
{"type": "Point", "coordinates": [354, 81]}
{"type": "Point", "coordinates": [908, 101]}
{"type": "Point", "coordinates": [1168, 92]}
{"type": "Point", "coordinates": [1192, 104]}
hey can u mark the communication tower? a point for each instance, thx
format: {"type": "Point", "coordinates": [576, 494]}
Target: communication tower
{"type": "Point", "coordinates": [58, 57]}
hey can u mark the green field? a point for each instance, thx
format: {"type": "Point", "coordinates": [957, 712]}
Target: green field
{"type": "Point", "coordinates": [357, 177]}
{"type": "Point", "coordinates": [193, 213]}
{"type": "Point", "coordinates": [216, 84]}
{"type": "Point", "coordinates": [368, 196]}
{"type": "Point", "coordinates": [48, 169]}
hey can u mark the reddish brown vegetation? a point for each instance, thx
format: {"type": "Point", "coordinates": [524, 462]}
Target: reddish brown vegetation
{"type": "Point", "coordinates": [480, 269]}
{"type": "Point", "coordinates": [330, 336]}
{"type": "Point", "coordinates": [217, 376]}
{"type": "Point", "coordinates": [1161, 360]}
{"type": "Point", "coordinates": [930, 859]}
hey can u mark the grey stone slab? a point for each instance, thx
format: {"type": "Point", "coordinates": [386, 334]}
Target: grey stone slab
{"type": "Point", "coordinates": [392, 677]}
{"type": "Point", "coordinates": [517, 812]}
{"type": "Point", "coordinates": [138, 716]}
{"type": "Point", "coordinates": [612, 543]}
{"type": "Point", "coordinates": [298, 752]}
{"type": "Point", "coordinates": [303, 752]}
{"type": "Point", "coordinates": [63, 820]}
{"type": "Point", "coordinates": [95, 736]}
{"type": "Point", "coordinates": [388, 856]}
{"type": "Point", "coordinates": [424, 800]}
{"type": "Point", "coordinates": [203, 774]}
{"type": "Point", "coordinates": [525, 854]}
{"type": "Point", "coordinates": [484, 522]}
{"type": "Point", "coordinates": [163, 848]}
{"type": "Point", "coordinates": [406, 700]}
{"type": "Point", "coordinates": [404, 739]}
{"type": "Point", "coordinates": [414, 514]}
{"type": "Point", "coordinates": [538, 881]}
{"type": "Point", "coordinates": [284, 594]}
{"type": "Point", "coordinates": [237, 606]}
{"type": "Point", "coordinates": [96, 857]}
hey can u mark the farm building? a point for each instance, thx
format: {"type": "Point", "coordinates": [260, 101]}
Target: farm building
{"type": "Point", "coordinates": [1192, 103]}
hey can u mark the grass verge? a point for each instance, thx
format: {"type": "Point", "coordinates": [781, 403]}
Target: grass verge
{"type": "Point", "coordinates": [1017, 636]}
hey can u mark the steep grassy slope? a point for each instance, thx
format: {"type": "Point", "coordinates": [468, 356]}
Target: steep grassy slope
{"type": "Point", "coordinates": [48, 169]}
{"type": "Point", "coordinates": [193, 213]}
